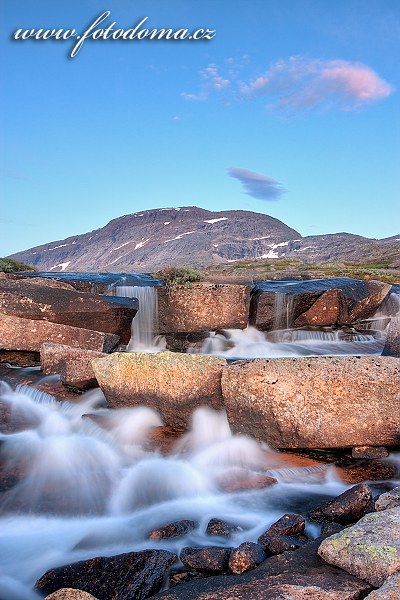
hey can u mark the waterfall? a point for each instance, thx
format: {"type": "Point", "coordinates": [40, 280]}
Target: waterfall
{"type": "Point", "coordinates": [144, 324]}
{"type": "Point", "coordinates": [283, 311]}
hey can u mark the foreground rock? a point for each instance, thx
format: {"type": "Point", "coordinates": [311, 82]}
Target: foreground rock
{"type": "Point", "coordinates": [68, 307]}
{"type": "Point", "coordinates": [346, 508]}
{"type": "Point", "coordinates": [315, 402]}
{"type": "Point", "coordinates": [203, 307]}
{"type": "Point", "coordinates": [173, 384]}
{"type": "Point", "coordinates": [297, 575]}
{"type": "Point", "coordinates": [245, 557]}
{"type": "Point", "coordinates": [389, 499]}
{"type": "Point", "coordinates": [209, 559]}
{"type": "Point", "coordinates": [370, 549]}
{"type": "Point", "coordinates": [30, 334]}
{"type": "Point", "coordinates": [133, 575]}
{"type": "Point", "coordinates": [70, 594]}
{"type": "Point", "coordinates": [73, 364]}
{"type": "Point", "coordinates": [390, 590]}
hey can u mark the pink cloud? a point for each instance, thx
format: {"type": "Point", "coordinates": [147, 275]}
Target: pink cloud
{"type": "Point", "coordinates": [211, 80]}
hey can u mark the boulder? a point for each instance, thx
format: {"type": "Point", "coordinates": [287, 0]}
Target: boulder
{"type": "Point", "coordinates": [73, 364]}
{"type": "Point", "coordinates": [329, 309]}
{"type": "Point", "coordinates": [392, 343]}
{"type": "Point", "coordinates": [370, 549]}
{"type": "Point", "coordinates": [277, 305]}
{"type": "Point", "coordinates": [247, 556]}
{"type": "Point", "coordinates": [221, 528]}
{"type": "Point", "coordinates": [132, 575]}
{"type": "Point", "coordinates": [210, 559]}
{"type": "Point", "coordinates": [369, 452]}
{"type": "Point", "coordinates": [346, 508]}
{"type": "Point", "coordinates": [286, 534]}
{"type": "Point", "coordinates": [315, 402]}
{"type": "Point", "coordinates": [366, 470]}
{"type": "Point", "coordinates": [388, 500]}
{"type": "Point", "coordinates": [68, 307]}
{"type": "Point", "coordinates": [390, 590]}
{"type": "Point", "coordinates": [70, 594]}
{"type": "Point", "coordinates": [171, 383]}
{"type": "Point", "coordinates": [297, 575]}
{"type": "Point", "coordinates": [173, 530]}
{"type": "Point", "coordinates": [203, 307]}
{"type": "Point", "coordinates": [30, 334]}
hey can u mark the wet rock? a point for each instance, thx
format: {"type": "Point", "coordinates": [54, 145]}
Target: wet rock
{"type": "Point", "coordinates": [375, 292]}
{"type": "Point", "coordinates": [13, 418]}
{"type": "Point", "coordinates": [329, 309]}
{"type": "Point", "coordinates": [70, 594]}
{"type": "Point", "coordinates": [369, 452]}
{"type": "Point", "coordinates": [247, 556]}
{"type": "Point", "coordinates": [212, 559]}
{"type": "Point", "coordinates": [300, 574]}
{"type": "Point", "coordinates": [171, 383]}
{"type": "Point", "coordinates": [173, 530]}
{"type": "Point", "coordinates": [367, 470]}
{"type": "Point", "coordinates": [30, 334]}
{"type": "Point", "coordinates": [387, 500]}
{"type": "Point", "coordinates": [346, 508]}
{"type": "Point", "coordinates": [243, 480]}
{"type": "Point", "coordinates": [68, 307]}
{"type": "Point", "coordinates": [20, 359]}
{"type": "Point", "coordinates": [203, 307]}
{"type": "Point", "coordinates": [286, 534]}
{"type": "Point", "coordinates": [392, 344]}
{"type": "Point", "coordinates": [315, 402]}
{"type": "Point", "coordinates": [265, 305]}
{"type": "Point", "coordinates": [390, 590]}
{"type": "Point", "coordinates": [73, 364]}
{"type": "Point", "coordinates": [221, 528]}
{"type": "Point", "coordinates": [181, 342]}
{"type": "Point", "coordinates": [370, 549]}
{"type": "Point", "coordinates": [134, 574]}
{"type": "Point", "coordinates": [331, 528]}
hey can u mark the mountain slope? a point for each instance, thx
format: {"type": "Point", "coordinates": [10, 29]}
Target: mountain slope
{"type": "Point", "coordinates": [191, 236]}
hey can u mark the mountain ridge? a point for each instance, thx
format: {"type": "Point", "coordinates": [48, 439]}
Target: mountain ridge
{"type": "Point", "coordinates": [150, 240]}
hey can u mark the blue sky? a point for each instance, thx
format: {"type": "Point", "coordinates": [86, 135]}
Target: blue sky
{"type": "Point", "coordinates": [292, 110]}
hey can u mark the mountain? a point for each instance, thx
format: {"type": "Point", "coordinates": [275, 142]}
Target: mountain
{"type": "Point", "coordinates": [190, 236]}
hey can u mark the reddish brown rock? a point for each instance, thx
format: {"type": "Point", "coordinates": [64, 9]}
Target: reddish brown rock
{"type": "Point", "coordinates": [171, 383]}
{"type": "Point", "coordinates": [68, 307]}
{"type": "Point", "coordinates": [173, 530]}
{"type": "Point", "coordinates": [247, 556]}
{"type": "Point", "coordinates": [203, 307]}
{"type": "Point", "coordinates": [244, 480]}
{"type": "Point", "coordinates": [369, 452]}
{"type": "Point", "coordinates": [346, 508]}
{"type": "Point", "coordinates": [390, 590]}
{"type": "Point", "coordinates": [264, 307]}
{"type": "Point", "coordinates": [286, 534]}
{"type": "Point", "coordinates": [366, 470]}
{"type": "Point", "coordinates": [321, 402]}
{"type": "Point", "coordinates": [30, 334]}
{"type": "Point", "coordinates": [73, 364]}
{"type": "Point", "coordinates": [70, 594]}
{"type": "Point", "coordinates": [221, 528]}
{"type": "Point", "coordinates": [211, 559]}
{"type": "Point", "coordinates": [392, 344]}
{"type": "Point", "coordinates": [329, 309]}
{"type": "Point", "coordinates": [375, 293]}
{"type": "Point", "coordinates": [132, 575]}
{"type": "Point", "coordinates": [297, 575]}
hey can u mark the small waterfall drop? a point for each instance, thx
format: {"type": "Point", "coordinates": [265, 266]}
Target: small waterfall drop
{"type": "Point", "coordinates": [283, 311]}
{"type": "Point", "coordinates": [144, 324]}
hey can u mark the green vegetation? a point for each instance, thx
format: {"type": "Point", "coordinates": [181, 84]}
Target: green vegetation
{"type": "Point", "coordinates": [8, 265]}
{"type": "Point", "coordinates": [177, 276]}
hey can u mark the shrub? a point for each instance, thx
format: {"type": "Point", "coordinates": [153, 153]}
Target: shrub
{"type": "Point", "coordinates": [8, 265]}
{"type": "Point", "coordinates": [176, 276]}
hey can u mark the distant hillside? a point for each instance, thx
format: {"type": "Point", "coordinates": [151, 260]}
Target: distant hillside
{"type": "Point", "coordinates": [189, 236]}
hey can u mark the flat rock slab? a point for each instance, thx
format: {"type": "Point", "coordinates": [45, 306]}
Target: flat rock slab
{"type": "Point", "coordinates": [73, 364]}
{"type": "Point", "coordinates": [203, 307]}
{"type": "Point", "coordinates": [370, 549]}
{"type": "Point", "coordinates": [301, 574]}
{"type": "Point", "coordinates": [68, 307]}
{"type": "Point", "coordinates": [123, 577]}
{"type": "Point", "coordinates": [171, 383]}
{"type": "Point", "coordinates": [30, 334]}
{"type": "Point", "coordinates": [322, 402]}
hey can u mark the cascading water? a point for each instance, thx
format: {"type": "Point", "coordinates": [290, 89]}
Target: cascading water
{"type": "Point", "coordinates": [283, 311]}
{"type": "Point", "coordinates": [143, 337]}
{"type": "Point", "coordinates": [81, 481]}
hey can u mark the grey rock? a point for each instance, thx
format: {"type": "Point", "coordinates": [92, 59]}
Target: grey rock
{"type": "Point", "coordinates": [389, 499]}
{"type": "Point", "coordinates": [390, 590]}
{"type": "Point", "coordinates": [370, 549]}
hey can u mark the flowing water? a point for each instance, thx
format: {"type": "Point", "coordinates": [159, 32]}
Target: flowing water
{"type": "Point", "coordinates": [85, 481]}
